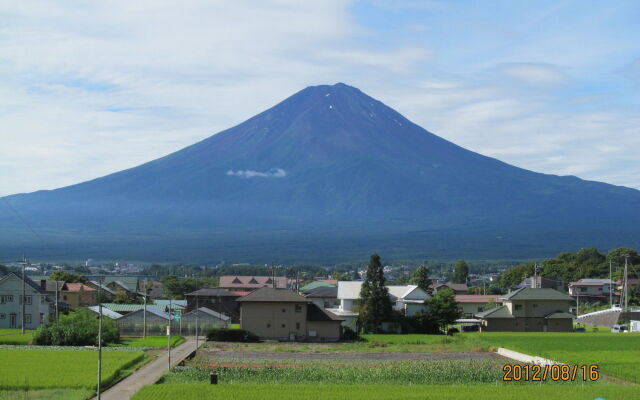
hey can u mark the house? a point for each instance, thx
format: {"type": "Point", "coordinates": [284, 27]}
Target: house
{"type": "Point", "coordinates": [592, 290]}
{"type": "Point", "coordinates": [155, 289]}
{"type": "Point", "coordinates": [133, 322]}
{"type": "Point", "coordinates": [407, 299]}
{"type": "Point", "coordinates": [79, 295]}
{"type": "Point", "coordinates": [205, 319]}
{"type": "Point", "coordinates": [324, 296]}
{"type": "Point", "coordinates": [280, 314]}
{"type": "Point", "coordinates": [170, 305]}
{"type": "Point", "coordinates": [103, 293]}
{"type": "Point", "coordinates": [38, 306]}
{"type": "Point", "coordinates": [248, 283]}
{"type": "Point", "coordinates": [458, 288]}
{"type": "Point", "coordinates": [216, 299]}
{"type": "Point", "coordinates": [471, 304]}
{"type": "Point", "coordinates": [530, 310]}
{"type": "Point", "coordinates": [543, 282]}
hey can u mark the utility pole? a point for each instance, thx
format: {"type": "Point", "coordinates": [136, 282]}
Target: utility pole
{"type": "Point", "coordinates": [99, 336]}
{"type": "Point", "coordinates": [169, 336]}
{"type": "Point", "coordinates": [626, 281]}
{"type": "Point", "coordinates": [197, 314]}
{"type": "Point", "coordinates": [535, 276]}
{"type": "Point", "coordinates": [144, 313]}
{"type": "Point", "coordinates": [24, 291]}
{"type": "Point", "coordinates": [610, 285]}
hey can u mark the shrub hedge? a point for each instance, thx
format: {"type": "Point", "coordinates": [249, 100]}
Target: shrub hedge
{"type": "Point", "coordinates": [231, 335]}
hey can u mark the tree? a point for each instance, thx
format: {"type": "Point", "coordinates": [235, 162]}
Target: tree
{"type": "Point", "coordinates": [443, 308]}
{"type": "Point", "coordinates": [420, 278]}
{"type": "Point", "coordinates": [68, 277]}
{"type": "Point", "coordinates": [339, 276]}
{"type": "Point", "coordinates": [376, 305]}
{"type": "Point", "coordinates": [123, 297]}
{"type": "Point", "coordinates": [460, 272]}
{"type": "Point", "coordinates": [79, 328]}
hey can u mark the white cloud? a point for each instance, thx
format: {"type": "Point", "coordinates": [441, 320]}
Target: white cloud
{"type": "Point", "coordinates": [535, 74]}
{"type": "Point", "coordinates": [248, 173]}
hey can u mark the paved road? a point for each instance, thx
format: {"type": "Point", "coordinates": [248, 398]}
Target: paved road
{"type": "Point", "coordinates": [150, 373]}
{"type": "Point", "coordinates": [352, 356]}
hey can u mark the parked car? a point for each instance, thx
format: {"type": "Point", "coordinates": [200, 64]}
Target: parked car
{"type": "Point", "coordinates": [579, 329]}
{"type": "Point", "coordinates": [619, 328]}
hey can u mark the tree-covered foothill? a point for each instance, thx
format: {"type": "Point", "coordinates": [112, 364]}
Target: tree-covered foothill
{"type": "Point", "coordinates": [79, 328]}
{"type": "Point", "coordinates": [375, 306]}
{"type": "Point", "coordinates": [570, 267]}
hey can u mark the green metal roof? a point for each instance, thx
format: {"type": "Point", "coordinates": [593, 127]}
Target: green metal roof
{"type": "Point", "coordinates": [498, 312]}
{"type": "Point", "coordinates": [537, 294]}
{"type": "Point", "coordinates": [315, 284]}
{"type": "Point", "coordinates": [124, 307]}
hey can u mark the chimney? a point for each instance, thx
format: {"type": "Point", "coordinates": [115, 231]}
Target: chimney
{"type": "Point", "coordinates": [43, 284]}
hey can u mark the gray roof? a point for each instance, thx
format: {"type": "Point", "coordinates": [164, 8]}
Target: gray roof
{"type": "Point", "coordinates": [560, 315]}
{"type": "Point", "coordinates": [210, 312]}
{"type": "Point", "coordinates": [267, 294]}
{"type": "Point", "coordinates": [28, 281]}
{"type": "Point", "coordinates": [151, 310]}
{"type": "Point", "coordinates": [537, 294]}
{"type": "Point", "coordinates": [498, 312]}
{"type": "Point", "coordinates": [212, 292]}
{"type": "Point", "coordinates": [105, 311]}
{"type": "Point", "coordinates": [323, 292]}
{"type": "Point", "coordinates": [102, 287]}
{"type": "Point", "coordinates": [315, 313]}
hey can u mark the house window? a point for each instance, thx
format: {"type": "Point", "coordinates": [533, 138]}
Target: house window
{"type": "Point", "coordinates": [284, 310]}
{"type": "Point", "coordinates": [268, 325]}
{"type": "Point", "coordinates": [480, 309]}
{"type": "Point", "coordinates": [583, 289]}
{"type": "Point", "coordinates": [42, 299]}
{"type": "Point", "coordinates": [298, 308]}
{"type": "Point", "coordinates": [535, 305]}
{"type": "Point", "coordinates": [297, 325]}
{"type": "Point", "coordinates": [41, 319]}
{"type": "Point", "coordinates": [283, 325]}
{"type": "Point", "coordinates": [27, 318]}
{"type": "Point", "coordinates": [64, 297]}
{"type": "Point", "coordinates": [3, 316]}
{"type": "Point", "coordinates": [518, 307]}
{"type": "Point", "coordinates": [27, 300]}
{"type": "Point", "coordinates": [7, 298]}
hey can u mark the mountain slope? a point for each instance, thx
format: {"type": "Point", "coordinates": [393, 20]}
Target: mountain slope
{"type": "Point", "coordinates": [328, 168]}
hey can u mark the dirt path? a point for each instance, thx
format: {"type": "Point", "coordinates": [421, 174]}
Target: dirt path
{"type": "Point", "coordinates": [350, 356]}
{"type": "Point", "coordinates": [150, 373]}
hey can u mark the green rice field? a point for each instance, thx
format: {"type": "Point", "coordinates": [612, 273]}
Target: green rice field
{"type": "Point", "coordinates": [443, 372]}
{"type": "Point", "coordinates": [46, 394]}
{"type": "Point", "coordinates": [50, 369]}
{"type": "Point", "coordinates": [15, 337]}
{"type": "Point", "coordinates": [384, 392]}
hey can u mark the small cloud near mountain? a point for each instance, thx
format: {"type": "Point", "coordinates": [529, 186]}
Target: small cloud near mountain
{"type": "Point", "coordinates": [248, 173]}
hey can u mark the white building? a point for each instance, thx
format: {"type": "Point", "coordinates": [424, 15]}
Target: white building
{"type": "Point", "coordinates": [37, 306]}
{"type": "Point", "coordinates": [408, 299]}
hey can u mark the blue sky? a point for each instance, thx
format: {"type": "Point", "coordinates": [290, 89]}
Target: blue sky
{"type": "Point", "coordinates": [90, 88]}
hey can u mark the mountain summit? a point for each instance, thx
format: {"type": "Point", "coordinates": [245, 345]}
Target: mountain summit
{"type": "Point", "coordinates": [328, 174]}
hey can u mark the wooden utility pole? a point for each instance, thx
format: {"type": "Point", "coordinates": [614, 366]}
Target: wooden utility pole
{"type": "Point", "coordinates": [99, 336]}
{"type": "Point", "coordinates": [144, 313]}
{"type": "Point", "coordinates": [24, 291]}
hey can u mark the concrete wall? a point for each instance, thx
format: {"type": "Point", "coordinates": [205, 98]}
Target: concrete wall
{"type": "Point", "coordinates": [274, 320]}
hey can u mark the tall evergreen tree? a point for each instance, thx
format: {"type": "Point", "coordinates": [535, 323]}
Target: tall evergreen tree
{"type": "Point", "coordinates": [443, 308]}
{"type": "Point", "coordinates": [461, 272]}
{"type": "Point", "coordinates": [420, 278]}
{"type": "Point", "coordinates": [376, 305]}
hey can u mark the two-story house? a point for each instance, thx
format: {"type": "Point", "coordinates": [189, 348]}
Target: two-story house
{"type": "Point", "coordinates": [530, 310]}
{"type": "Point", "coordinates": [408, 299]}
{"type": "Point", "coordinates": [471, 304]}
{"type": "Point", "coordinates": [281, 314]}
{"type": "Point", "coordinates": [592, 290]}
{"type": "Point", "coordinates": [38, 307]}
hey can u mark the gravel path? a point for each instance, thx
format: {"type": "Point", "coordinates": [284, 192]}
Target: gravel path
{"type": "Point", "coordinates": [351, 356]}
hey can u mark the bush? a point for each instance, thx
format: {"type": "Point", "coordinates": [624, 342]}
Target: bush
{"type": "Point", "coordinates": [451, 331]}
{"type": "Point", "coordinates": [349, 334]}
{"type": "Point", "coordinates": [79, 328]}
{"type": "Point", "coordinates": [423, 323]}
{"type": "Point", "coordinates": [231, 335]}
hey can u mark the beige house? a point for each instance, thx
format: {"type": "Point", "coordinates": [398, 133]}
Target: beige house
{"type": "Point", "coordinates": [471, 304]}
{"type": "Point", "coordinates": [280, 314]}
{"type": "Point", "coordinates": [592, 290]}
{"type": "Point", "coordinates": [530, 310]}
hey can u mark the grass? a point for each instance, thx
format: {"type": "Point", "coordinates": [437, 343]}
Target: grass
{"type": "Point", "coordinates": [46, 394]}
{"type": "Point", "coordinates": [344, 372]}
{"type": "Point", "coordinates": [15, 337]}
{"type": "Point", "coordinates": [149, 342]}
{"type": "Point", "coordinates": [49, 369]}
{"type": "Point", "coordinates": [384, 392]}
{"type": "Point", "coordinates": [234, 326]}
{"type": "Point", "coordinates": [616, 354]}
